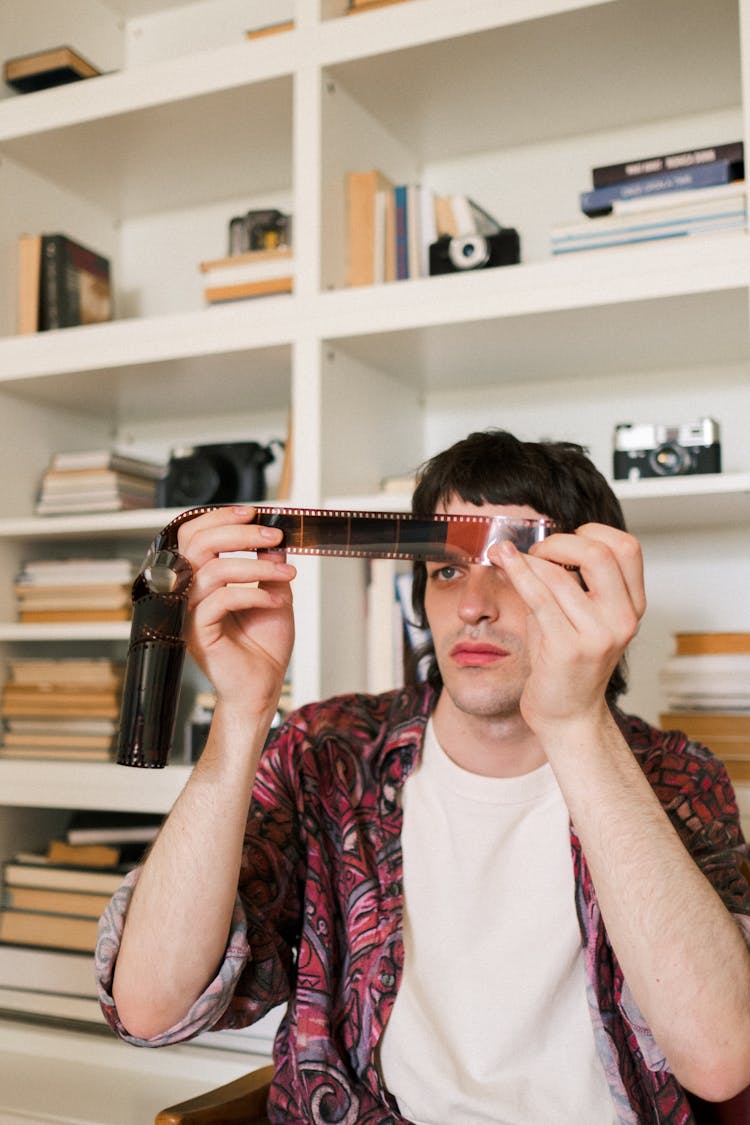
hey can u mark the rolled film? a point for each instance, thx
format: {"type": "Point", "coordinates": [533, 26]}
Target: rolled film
{"type": "Point", "coordinates": [156, 652]}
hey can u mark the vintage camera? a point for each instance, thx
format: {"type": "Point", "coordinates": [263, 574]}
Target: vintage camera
{"type": "Point", "coordinates": [645, 450]}
{"type": "Point", "coordinates": [475, 251]}
{"type": "Point", "coordinates": [267, 229]}
{"type": "Point", "coordinates": [215, 474]}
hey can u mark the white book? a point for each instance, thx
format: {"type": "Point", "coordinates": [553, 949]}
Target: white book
{"type": "Point", "coordinates": [667, 200]}
{"type": "Point", "coordinates": [51, 1005]}
{"type": "Point", "coordinates": [636, 219]}
{"type": "Point", "coordinates": [105, 459]}
{"type": "Point", "coordinates": [47, 970]}
{"type": "Point", "coordinates": [257, 265]}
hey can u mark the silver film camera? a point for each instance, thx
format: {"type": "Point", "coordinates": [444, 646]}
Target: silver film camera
{"type": "Point", "coordinates": [655, 450]}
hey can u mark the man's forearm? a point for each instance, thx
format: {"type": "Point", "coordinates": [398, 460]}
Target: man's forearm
{"type": "Point", "coordinates": [178, 919]}
{"type": "Point", "coordinates": [682, 954]}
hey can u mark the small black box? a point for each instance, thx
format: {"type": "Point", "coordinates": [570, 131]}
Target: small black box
{"type": "Point", "coordinates": [475, 251]}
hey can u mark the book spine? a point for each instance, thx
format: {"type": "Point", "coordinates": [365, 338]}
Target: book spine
{"type": "Point", "coordinates": [52, 296]}
{"type": "Point", "coordinates": [600, 200]}
{"type": "Point", "coordinates": [656, 165]}
{"type": "Point", "coordinates": [400, 195]}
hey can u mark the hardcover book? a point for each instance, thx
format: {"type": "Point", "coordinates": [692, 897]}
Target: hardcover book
{"type": "Point", "coordinates": [75, 284]}
{"type": "Point", "coordinates": [55, 67]}
{"type": "Point", "coordinates": [669, 162]}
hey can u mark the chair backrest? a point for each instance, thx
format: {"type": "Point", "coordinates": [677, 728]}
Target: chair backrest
{"type": "Point", "coordinates": [243, 1100]}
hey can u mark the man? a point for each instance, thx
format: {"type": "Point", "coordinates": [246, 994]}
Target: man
{"type": "Point", "coordinates": [493, 898]}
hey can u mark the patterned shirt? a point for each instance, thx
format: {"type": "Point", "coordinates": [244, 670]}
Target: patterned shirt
{"type": "Point", "coordinates": [318, 919]}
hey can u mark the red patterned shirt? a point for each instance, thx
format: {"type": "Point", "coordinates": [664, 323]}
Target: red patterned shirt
{"type": "Point", "coordinates": [318, 920]}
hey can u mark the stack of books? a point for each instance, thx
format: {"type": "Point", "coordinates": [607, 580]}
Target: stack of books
{"type": "Point", "coordinates": [255, 273]}
{"type": "Point", "coordinates": [53, 899]}
{"type": "Point", "coordinates": [65, 709]}
{"type": "Point", "coordinates": [701, 191]}
{"type": "Point", "coordinates": [392, 226]}
{"type": "Point", "coordinates": [706, 685]}
{"type": "Point", "coordinates": [97, 481]}
{"type": "Point", "coordinates": [74, 590]}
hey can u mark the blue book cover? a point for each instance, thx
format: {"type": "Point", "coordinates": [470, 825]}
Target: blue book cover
{"type": "Point", "coordinates": [400, 195]}
{"type": "Point", "coordinates": [599, 200]}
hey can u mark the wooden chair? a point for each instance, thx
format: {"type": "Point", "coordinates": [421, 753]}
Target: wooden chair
{"type": "Point", "coordinates": [244, 1100]}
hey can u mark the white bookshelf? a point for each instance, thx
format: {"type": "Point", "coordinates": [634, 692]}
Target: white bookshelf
{"type": "Point", "coordinates": [510, 101]}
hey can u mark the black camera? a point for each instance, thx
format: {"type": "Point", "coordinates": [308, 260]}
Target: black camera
{"type": "Point", "coordinates": [259, 230]}
{"type": "Point", "coordinates": [215, 474]}
{"type": "Point", "coordinates": [475, 251]}
{"type": "Point", "coordinates": [646, 450]}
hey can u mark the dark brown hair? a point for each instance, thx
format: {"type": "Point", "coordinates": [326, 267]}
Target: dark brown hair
{"type": "Point", "coordinates": [555, 478]}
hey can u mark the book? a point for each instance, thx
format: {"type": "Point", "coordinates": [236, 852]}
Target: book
{"type": "Point", "coordinates": [661, 202]}
{"type": "Point", "coordinates": [95, 504]}
{"type": "Point", "coordinates": [705, 725]}
{"type": "Point", "coordinates": [83, 855]}
{"type": "Point", "coordinates": [56, 66]}
{"type": "Point", "coordinates": [51, 1005]}
{"type": "Point", "coordinates": [54, 752]}
{"type": "Point", "coordinates": [76, 572]}
{"type": "Point", "coordinates": [365, 5]}
{"type": "Point", "coordinates": [75, 724]}
{"type": "Point", "coordinates": [58, 931]}
{"type": "Point", "coordinates": [655, 165]}
{"type": "Point", "coordinates": [22, 872]}
{"type": "Point", "coordinates": [72, 597]}
{"type": "Point", "coordinates": [599, 201]}
{"type": "Point", "coordinates": [215, 294]}
{"type": "Point", "coordinates": [250, 274]}
{"type": "Point", "coordinates": [75, 284]}
{"type": "Point", "coordinates": [693, 644]}
{"type": "Point", "coordinates": [269, 29]}
{"type": "Point", "coordinates": [99, 671]}
{"type": "Point", "coordinates": [54, 971]}
{"type": "Point", "coordinates": [108, 459]}
{"type": "Point", "coordinates": [366, 194]}
{"type": "Point", "coordinates": [29, 282]}
{"type": "Point", "coordinates": [89, 826]}
{"type": "Point", "coordinates": [470, 218]}
{"type": "Point", "coordinates": [401, 203]}
{"type": "Point", "coordinates": [616, 229]}
{"type": "Point", "coordinates": [77, 903]}
{"type": "Point", "coordinates": [33, 703]}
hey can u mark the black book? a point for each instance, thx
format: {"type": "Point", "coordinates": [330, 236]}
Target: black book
{"type": "Point", "coordinates": [75, 284]}
{"type": "Point", "coordinates": [608, 174]}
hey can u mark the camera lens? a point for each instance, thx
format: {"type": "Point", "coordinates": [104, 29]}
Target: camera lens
{"type": "Point", "coordinates": [669, 460]}
{"type": "Point", "coordinates": [469, 253]}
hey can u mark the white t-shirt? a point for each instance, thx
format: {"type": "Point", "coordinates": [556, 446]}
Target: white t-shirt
{"type": "Point", "coordinates": [491, 1022]}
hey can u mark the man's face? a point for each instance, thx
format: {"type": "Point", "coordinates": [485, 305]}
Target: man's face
{"type": "Point", "coordinates": [479, 627]}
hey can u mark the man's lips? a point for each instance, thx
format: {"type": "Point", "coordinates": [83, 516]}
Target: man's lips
{"type": "Point", "coordinates": [476, 654]}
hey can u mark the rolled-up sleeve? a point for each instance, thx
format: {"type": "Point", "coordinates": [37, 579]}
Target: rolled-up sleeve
{"type": "Point", "coordinates": [210, 1007]}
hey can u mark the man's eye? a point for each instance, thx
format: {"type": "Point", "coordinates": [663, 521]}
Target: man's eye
{"type": "Point", "coordinates": [444, 573]}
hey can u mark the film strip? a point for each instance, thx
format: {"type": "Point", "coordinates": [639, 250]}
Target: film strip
{"type": "Point", "coordinates": [155, 657]}
{"type": "Point", "coordinates": [387, 535]}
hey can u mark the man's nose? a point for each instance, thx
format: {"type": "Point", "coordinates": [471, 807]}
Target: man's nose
{"type": "Point", "coordinates": [480, 595]}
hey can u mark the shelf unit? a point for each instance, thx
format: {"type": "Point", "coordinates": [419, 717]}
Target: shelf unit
{"type": "Point", "coordinates": [510, 101]}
